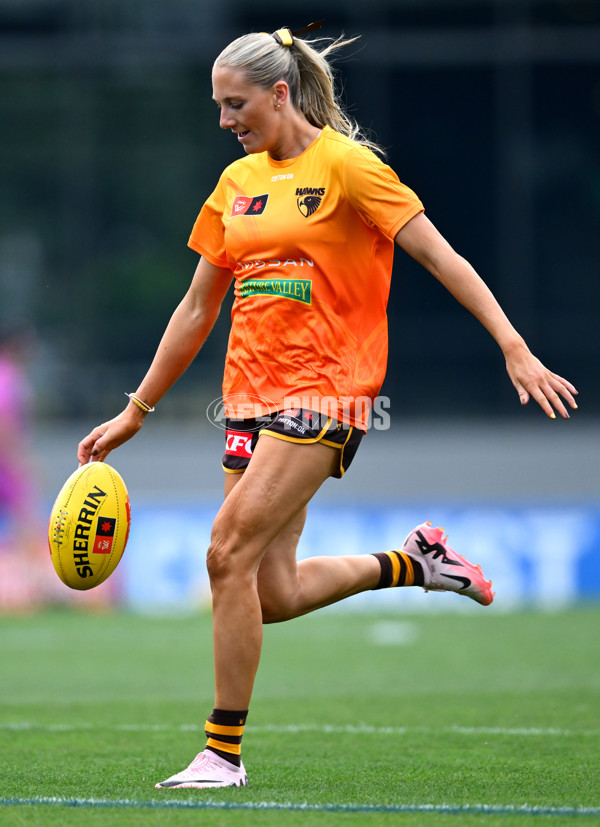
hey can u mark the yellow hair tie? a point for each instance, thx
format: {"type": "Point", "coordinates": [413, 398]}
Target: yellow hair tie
{"type": "Point", "coordinates": [284, 37]}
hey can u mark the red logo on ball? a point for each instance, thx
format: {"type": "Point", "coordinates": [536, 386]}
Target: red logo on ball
{"type": "Point", "coordinates": [105, 534]}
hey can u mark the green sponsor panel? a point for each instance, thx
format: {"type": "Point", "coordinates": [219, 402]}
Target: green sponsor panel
{"type": "Point", "coordinates": [299, 290]}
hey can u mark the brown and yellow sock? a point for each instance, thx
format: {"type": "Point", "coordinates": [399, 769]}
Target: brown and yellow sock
{"type": "Point", "coordinates": [224, 729]}
{"type": "Point", "coordinates": [398, 569]}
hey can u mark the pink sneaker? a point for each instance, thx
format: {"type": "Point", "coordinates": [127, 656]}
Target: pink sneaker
{"type": "Point", "coordinates": [443, 569]}
{"type": "Point", "coordinates": [206, 771]}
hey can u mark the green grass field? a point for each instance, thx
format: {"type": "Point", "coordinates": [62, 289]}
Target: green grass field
{"type": "Point", "coordinates": [440, 719]}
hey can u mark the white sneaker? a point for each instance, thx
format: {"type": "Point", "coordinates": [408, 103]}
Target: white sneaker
{"type": "Point", "coordinates": [445, 570]}
{"type": "Point", "coordinates": [206, 771]}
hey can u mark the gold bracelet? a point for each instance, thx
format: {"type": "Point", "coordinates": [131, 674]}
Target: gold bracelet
{"type": "Point", "coordinates": [139, 402]}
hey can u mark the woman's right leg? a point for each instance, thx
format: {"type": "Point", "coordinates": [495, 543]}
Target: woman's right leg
{"type": "Point", "coordinates": [274, 490]}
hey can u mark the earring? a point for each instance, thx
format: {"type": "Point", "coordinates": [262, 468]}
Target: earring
{"type": "Point", "coordinates": [277, 106]}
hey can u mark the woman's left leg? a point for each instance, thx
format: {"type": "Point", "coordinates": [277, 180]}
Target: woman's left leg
{"type": "Point", "coordinates": [289, 588]}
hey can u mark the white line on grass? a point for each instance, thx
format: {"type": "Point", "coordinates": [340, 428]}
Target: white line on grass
{"type": "Point", "coordinates": [291, 729]}
{"type": "Point", "coordinates": [208, 804]}
{"type": "Point", "coordinates": [365, 729]}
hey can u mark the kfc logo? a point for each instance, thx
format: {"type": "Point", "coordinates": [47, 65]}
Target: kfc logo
{"type": "Point", "coordinates": [238, 444]}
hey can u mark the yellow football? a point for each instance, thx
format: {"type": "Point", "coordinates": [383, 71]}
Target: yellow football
{"type": "Point", "coordinates": [89, 526]}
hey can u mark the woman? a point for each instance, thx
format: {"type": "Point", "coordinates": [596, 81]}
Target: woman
{"type": "Point", "coordinates": [306, 223]}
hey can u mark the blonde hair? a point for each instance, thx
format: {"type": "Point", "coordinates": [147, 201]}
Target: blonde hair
{"type": "Point", "coordinates": [306, 71]}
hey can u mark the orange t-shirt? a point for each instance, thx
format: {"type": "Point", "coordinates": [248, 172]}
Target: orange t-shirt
{"type": "Point", "coordinates": [310, 242]}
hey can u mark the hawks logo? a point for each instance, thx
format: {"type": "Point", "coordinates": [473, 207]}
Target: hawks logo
{"type": "Point", "coordinates": [309, 199]}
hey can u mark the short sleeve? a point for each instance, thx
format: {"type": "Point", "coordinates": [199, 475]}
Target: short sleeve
{"type": "Point", "coordinates": [208, 233]}
{"type": "Point", "coordinates": [376, 193]}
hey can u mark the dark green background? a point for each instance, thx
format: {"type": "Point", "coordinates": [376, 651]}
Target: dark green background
{"type": "Point", "coordinates": [109, 144]}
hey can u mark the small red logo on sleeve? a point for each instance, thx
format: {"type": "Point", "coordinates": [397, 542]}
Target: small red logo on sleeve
{"type": "Point", "coordinates": [248, 205]}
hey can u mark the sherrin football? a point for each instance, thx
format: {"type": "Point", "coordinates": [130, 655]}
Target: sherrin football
{"type": "Point", "coordinates": [89, 526]}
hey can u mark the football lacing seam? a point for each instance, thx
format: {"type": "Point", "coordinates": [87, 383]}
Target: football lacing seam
{"type": "Point", "coordinates": [59, 528]}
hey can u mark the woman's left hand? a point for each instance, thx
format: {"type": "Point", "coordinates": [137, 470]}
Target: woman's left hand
{"type": "Point", "coordinates": [533, 380]}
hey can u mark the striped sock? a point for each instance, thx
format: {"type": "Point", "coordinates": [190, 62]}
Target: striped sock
{"type": "Point", "coordinates": [224, 730]}
{"type": "Point", "coordinates": [398, 569]}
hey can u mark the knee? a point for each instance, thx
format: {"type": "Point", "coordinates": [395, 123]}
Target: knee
{"type": "Point", "coordinates": [271, 612]}
{"type": "Point", "coordinates": [230, 553]}
{"type": "Point", "coordinates": [218, 560]}
{"type": "Point", "coordinates": [275, 606]}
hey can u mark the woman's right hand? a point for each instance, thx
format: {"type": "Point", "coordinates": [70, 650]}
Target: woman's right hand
{"type": "Point", "coordinates": [98, 444]}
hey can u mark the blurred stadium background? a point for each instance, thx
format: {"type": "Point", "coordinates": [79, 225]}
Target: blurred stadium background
{"type": "Point", "coordinates": [109, 144]}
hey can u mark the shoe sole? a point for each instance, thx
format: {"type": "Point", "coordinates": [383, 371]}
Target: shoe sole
{"type": "Point", "coordinates": [191, 785]}
{"type": "Point", "coordinates": [201, 785]}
